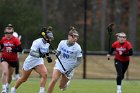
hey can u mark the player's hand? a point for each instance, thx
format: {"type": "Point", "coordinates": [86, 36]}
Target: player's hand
{"type": "Point", "coordinates": [42, 55]}
{"type": "Point", "coordinates": [56, 52]}
{"type": "Point", "coordinates": [69, 71]}
{"type": "Point", "coordinates": [108, 56]}
{"type": "Point", "coordinates": [49, 59]}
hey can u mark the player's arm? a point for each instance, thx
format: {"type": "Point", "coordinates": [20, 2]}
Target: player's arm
{"type": "Point", "coordinates": [48, 57]}
{"type": "Point", "coordinates": [79, 61]}
{"type": "Point", "coordinates": [1, 46]}
{"type": "Point", "coordinates": [17, 49]}
{"type": "Point", "coordinates": [129, 53]}
{"type": "Point", "coordinates": [34, 53]}
{"type": "Point", "coordinates": [130, 50]}
{"type": "Point", "coordinates": [111, 51]}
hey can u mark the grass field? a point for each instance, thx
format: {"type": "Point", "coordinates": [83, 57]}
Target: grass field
{"type": "Point", "coordinates": [82, 86]}
{"type": "Point", "coordinates": [97, 67]}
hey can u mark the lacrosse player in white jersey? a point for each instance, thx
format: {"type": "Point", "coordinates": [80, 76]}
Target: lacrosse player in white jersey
{"type": "Point", "coordinates": [38, 51]}
{"type": "Point", "coordinates": [70, 55]}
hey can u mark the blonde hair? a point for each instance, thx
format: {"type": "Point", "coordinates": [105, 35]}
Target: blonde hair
{"type": "Point", "coordinates": [121, 34]}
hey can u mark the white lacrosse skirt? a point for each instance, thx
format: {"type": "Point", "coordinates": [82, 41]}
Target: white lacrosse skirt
{"type": "Point", "coordinates": [59, 67]}
{"type": "Point", "coordinates": [31, 62]}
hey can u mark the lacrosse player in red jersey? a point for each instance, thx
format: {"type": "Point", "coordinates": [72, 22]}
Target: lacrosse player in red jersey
{"type": "Point", "coordinates": [10, 45]}
{"type": "Point", "coordinates": [123, 49]}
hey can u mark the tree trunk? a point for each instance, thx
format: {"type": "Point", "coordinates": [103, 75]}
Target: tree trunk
{"type": "Point", "coordinates": [132, 22]}
{"type": "Point", "coordinates": [44, 7]}
{"type": "Point", "coordinates": [103, 20]}
{"type": "Point", "coordinates": [118, 12]}
{"type": "Point", "coordinates": [94, 8]}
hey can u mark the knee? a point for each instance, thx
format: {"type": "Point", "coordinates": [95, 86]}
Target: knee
{"type": "Point", "coordinates": [44, 76]}
{"type": "Point", "coordinates": [4, 73]}
{"type": "Point", "coordinates": [120, 77]}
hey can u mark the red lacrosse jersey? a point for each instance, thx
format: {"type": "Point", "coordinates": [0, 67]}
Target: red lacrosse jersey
{"type": "Point", "coordinates": [13, 43]}
{"type": "Point", "coordinates": [121, 48]}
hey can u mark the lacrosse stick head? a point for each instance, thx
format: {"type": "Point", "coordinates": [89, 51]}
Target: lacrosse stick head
{"type": "Point", "coordinates": [110, 28]}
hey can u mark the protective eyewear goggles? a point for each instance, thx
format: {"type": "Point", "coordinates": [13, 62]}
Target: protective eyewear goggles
{"type": "Point", "coordinates": [8, 32]}
{"type": "Point", "coordinates": [121, 36]}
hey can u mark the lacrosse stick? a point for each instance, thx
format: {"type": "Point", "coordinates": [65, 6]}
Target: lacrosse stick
{"type": "Point", "coordinates": [109, 29]}
{"type": "Point", "coordinates": [44, 35]}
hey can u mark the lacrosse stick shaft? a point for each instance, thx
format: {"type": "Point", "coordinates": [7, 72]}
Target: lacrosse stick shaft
{"type": "Point", "coordinates": [109, 28]}
{"type": "Point", "coordinates": [109, 44]}
{"type": "Point", "coordinates": [58, 58]}
{"type": "Point", "coordinates": [55, 55]}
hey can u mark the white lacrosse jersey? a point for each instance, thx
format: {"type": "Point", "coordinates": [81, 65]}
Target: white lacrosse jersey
{"type": "Point", "coordinates": [31, 62]}
{"type": "Point", "coordinates": [69, 54]}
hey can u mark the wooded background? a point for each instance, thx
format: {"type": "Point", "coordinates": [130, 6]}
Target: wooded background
{"type": "Point", "coordinates": [29, 16]}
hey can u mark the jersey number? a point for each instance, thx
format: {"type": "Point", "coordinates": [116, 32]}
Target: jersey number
{"type": "Point", "coordinates": [65, 55]}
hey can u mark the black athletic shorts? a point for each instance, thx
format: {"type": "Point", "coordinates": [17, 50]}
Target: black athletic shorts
{"type": "Point", "coordinates": [11, 63]}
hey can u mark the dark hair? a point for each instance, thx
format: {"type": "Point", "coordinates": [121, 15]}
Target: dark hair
{"type": "Point", "coordinates": [49, 28]}
{"type": "Point", "coordinates": [73, 30]}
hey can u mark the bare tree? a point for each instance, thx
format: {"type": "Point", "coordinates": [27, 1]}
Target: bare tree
{"type": "Point", "coordinates": [133, 21]}
{"type": "Point", "coordinates": [44, 7]}
{"type": "Point", "coordinates": [118, 12]}
{"type": "Point", "coordinates": [103, 20]}
{"type": "Point", "coordinates": [94, 8]}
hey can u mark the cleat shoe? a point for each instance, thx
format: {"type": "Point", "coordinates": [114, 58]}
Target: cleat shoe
{"type": "Point", "coordinates": [66, 86]}
{"type": "Point", "coordinates": [42, 92]}
{"type": "Point", "coordinates": [3, 91]}
{"type": "Point", "coordinates": [7, 89]}
{"type": "Point", "coordinates": [13, 90]}
{"type": "Point", "coordinates": [119, 91]}
{"type": "Point", "coordinates": [17, 76]}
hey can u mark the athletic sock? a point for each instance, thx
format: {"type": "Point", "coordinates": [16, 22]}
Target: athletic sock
{"type": "Point", "coordinates": [7, 85]}
{"type": "Point", "coordinates": [42, 89]}
{"type": "Point", "coordinates": [4, 86]}
{"type": "Point", "coordinates": [118, 87]}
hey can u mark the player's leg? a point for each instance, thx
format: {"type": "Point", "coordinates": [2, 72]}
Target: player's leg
{"type": "Point", "coordinates": [17, 76]}
{"type": "Point", "coordinates": [4, 66]}
{"type": "Point", "coordinates": [24, 77]}
{"type": "Point", "coordinates": [9, 79]}
{"type": "Point", "coordinates": [119, 66]}
{"type": "Point", "coordinates": [55, 76]}
{"type": "Point", "coordinates": [64, 82]}
{"type": "Point", "coordinates": [125, 66]}
{"type": "Point", "coordinates": [41, 69]}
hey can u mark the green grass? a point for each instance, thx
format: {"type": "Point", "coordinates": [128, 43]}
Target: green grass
{"type": "Point", "coordinates": [82, 86]}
